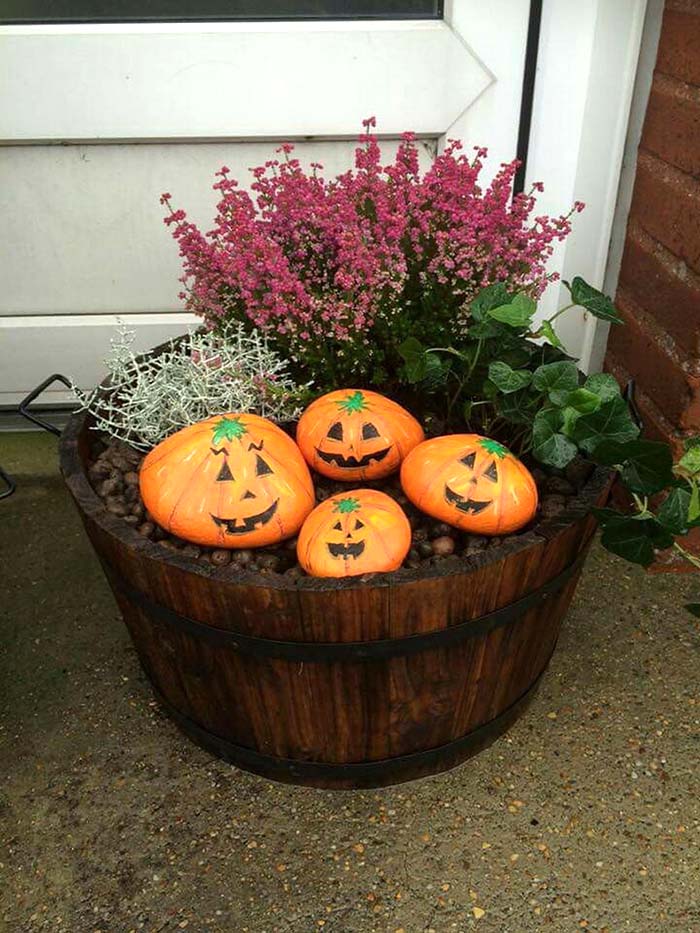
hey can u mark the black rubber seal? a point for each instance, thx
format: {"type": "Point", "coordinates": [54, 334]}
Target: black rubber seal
{"type": "Point", "coordinates": [350, 650]}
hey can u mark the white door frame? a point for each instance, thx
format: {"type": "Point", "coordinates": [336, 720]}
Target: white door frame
{"type": "Point", "coordinates": [102, 84]}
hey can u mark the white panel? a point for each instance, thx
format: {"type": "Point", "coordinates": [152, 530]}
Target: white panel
{"type": "Point", "coordinates": [586, 71]}
{"type": "Point", "coordinates": [492, 120]}
{"type": "Point", "coordinates": [234, 80]}
{"type": "Point", "coordinates": [33, 348]}
{"type": "Point", "coordinates": [83, 227]}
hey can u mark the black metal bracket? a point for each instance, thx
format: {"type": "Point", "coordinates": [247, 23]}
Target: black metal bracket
{"type": "Point", "coordinates": [33, 395]}
{"type": "Point", "coordinates": [9, 482]}
{"type": "Point", "coordinates": [349, 650]}
{"type": "Point", "coordinates": [628, 396]}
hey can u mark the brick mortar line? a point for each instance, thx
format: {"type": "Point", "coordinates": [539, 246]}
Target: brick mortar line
{"type": "Point", "coordinates": [664, 83]}
{"type": "Point", "coordinates": [673, 264]}
{"type": "Point", "coordinates": [667, 172]}
{"type": "Point", "coordinates": [659, 336]}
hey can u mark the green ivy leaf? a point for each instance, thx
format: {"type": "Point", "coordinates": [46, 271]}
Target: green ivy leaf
{"type": "Point", "coordinates": [507, 379]}
{"type": "Point", "coordinates": [673, 513]}
{"type": "Point", "coordinates": [603, 385]}
{"type": "Point", "coordinates": [694, 505]}
{"type": "Point", "coordinates": [690, 461]}
{"type": "Point", "coordinates": [546, 330]}
{"type": "Point", "coordinates": [549, 445]}
{"type": "Point", "coordinates": [611, 422]}
{"type": "Point", "coordinates": [592, 300]}
{"type": "Point", "coordinates": [556, 377]}
{"type": "Point", "coordinates": [631, 538]}
{"type": "Point", "coordinates": [517, 407]}
{"type": "Point", "coordinates": [493, 296]}
{"type": "Point", "coordinates": [581, 400]}
{"type": "Point", "coordinates": [518, 313]}
{"type": "Point", "coordinates": [413, 354]}
{"type": "Point", "coordinates": [646, 467]}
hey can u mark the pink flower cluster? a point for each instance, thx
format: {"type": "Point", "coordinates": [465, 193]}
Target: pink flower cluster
{"type": "Point", "coordinates": [326, 265]}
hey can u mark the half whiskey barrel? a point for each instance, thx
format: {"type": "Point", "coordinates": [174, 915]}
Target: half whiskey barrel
{"type": "Point", "coordinates": [347, 683]}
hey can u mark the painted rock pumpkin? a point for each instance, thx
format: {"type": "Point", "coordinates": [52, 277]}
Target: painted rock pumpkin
{"type": "Point", "coordinates": [355, 532]}
{"type": "Point", "coordinates": [470, 482]}
{"type": "Point", "coordinates": [354, 434]}
{"type": "Point", "coordinates": [232, 481]}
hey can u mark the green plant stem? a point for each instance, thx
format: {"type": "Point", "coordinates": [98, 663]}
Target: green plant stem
{"type": "Point", "coordinates": [561, 311]}
{"type": "Point", "coordinates": [691, 558]}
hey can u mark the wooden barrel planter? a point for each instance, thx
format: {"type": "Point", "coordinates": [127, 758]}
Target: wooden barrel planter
{"type": "Point", "coordinates": [342, 683]}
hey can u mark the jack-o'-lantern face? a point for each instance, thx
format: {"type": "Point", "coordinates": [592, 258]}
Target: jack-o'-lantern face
{"type": "Point", "coordinates": [362, 531]}
{"type": "Point", "coordinates": [471, 482]}
{"type": "Point", "coordinates": [356, 434]}
{"type": "Point", "coordinates": [231, 481]}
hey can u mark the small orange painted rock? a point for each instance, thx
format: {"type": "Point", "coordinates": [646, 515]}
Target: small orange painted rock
{"type": "Point", "coordinates": [471, 482]}
{"type": "Point", "coordinates": [232, 481]}
{"type": "Point", "coordinates": [355, 434]}
{"type": "Point", "coordinates": [354, 532]}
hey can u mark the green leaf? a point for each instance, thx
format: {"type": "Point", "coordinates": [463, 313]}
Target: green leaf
{"type": "Point", "coordinates": [673, 513]}
{"type": "Point", "coordinates": [632, 538]}
{"type": "Point", "coordinates": [581, 400]}
{"type": "Point", "coordinates": [646, 466]}
{"type": "Point", "coordinates": [690, 461]}
{"type": "Point", "coordinates": [436, 370]}
{"type": "Point", "coordinates": [549, 445]}
{"type": "Point", "coordinates": [555, 377]}
{"type": "Point", "coordinates": [507, 379]}
{"type": "Point", "coordinates": [693, 609]}
{"type": "Point", "coordinates": [694, 505]}
{"type": "Point", "coordinates": [547, 331]}
{"type": "Point", "coordinates": [611, 422]}
{"type": "Point", "coordinates": [517, 313]}
{"type": "Point", "coordinates": [413, 354]}
{"type": "Point", "coordinates": [228, 429]}
{"type": "Point", "coordinates": [603, 385]}
{"type": "Point", "coordinates": [592, 300]}
{"type": "Point", "coordinates": [493, 296]}
{"type": "Point", "coordinates": [517, 407]}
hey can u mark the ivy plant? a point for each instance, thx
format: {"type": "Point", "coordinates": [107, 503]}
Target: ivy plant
{"type": "Point", "coordinates": [511, 378]}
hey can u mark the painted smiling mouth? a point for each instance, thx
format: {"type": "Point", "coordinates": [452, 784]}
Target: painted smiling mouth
{"type": "Point", "coordinates": [352, 462]}
{"type": "Point", "coordinates": [464, 505]}
{"type": "Point", "coordinates": [347, 550]}
{"type": "Point", "coordinates": [232, 527]}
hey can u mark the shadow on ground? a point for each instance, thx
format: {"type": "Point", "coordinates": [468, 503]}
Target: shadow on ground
{"type": "Point", "coordinates": [585, 816]}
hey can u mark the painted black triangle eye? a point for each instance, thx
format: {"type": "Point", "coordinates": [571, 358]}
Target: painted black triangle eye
{"type": "Point", "coordinates": [261, 468]}
{"type": "Point", "coordinates": [225, 473]}
{"type": "Point", "coordinates": [492, 473]}
{"type": "Point", "coordinates": [359, 524]}
{"type": "Point", "coordinates": [335, 432]}
{"type": "Point", "coordinates": [369, 431]}
{"type": "Point", "coordinates": [337, 527]}
{"type": "Point", "coordinates": [469, 460]}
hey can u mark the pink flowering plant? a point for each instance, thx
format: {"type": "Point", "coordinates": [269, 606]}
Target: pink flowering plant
{"type": "Point", "coordinates": [339, 272]}
{"type": "Point", "coordinates": [424, 285]}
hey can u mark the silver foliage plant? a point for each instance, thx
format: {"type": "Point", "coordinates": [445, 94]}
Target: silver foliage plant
{"type": "Point", "coordinates": [199, 375]}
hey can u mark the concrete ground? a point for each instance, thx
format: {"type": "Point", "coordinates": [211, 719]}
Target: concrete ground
{"type": "Point", "coordinates": [584, 817]}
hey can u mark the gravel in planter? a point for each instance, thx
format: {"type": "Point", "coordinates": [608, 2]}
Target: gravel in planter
{"type": "Point", "coordinates": [113, 473]}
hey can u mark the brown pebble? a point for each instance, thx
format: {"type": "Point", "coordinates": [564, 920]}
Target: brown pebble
{"type": "Point", "coordinates": [131, 478]}
{"type": "Point", "coordinates": [578, 471]}
{"type": "Point", "coordinates": [420, 534]}
{"type": "Point", "coordinates": [132, 519]}
{"type": "Point", "coordinates": [109, 487]}
{"type": "Point", "coordinates": [243, 557]}
{"type": "Point", "coordinates": [116, 506]}
{"type": "Point", "coordinates": [294, 572]}
{"type": "Point", "coordinates": [191, 550]}
{"type": "Point", "coordinates": [560, 486]}
{"type": "Point", "coordinates": [425, 549]}
{"type": "Point", "coordinates": [440, 530]}
{"type": "Point", "coordinates": [138, 509]}
{"type": "Point", "coordinates": [443, 546]}
{"type": "Point", "coordinates": [101, 469]}
{"type": "Point", "coordinates": [220, 557]}
{"type": "Point", "coordinates": [169, 544]}
{"type": "Point", "coordinates": [146, 529]}
{"type": "Point", "coordinates": [268, 562]}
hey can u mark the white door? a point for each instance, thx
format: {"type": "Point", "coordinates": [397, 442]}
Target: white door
{"type": "Point", "coordinates": [98, 119]}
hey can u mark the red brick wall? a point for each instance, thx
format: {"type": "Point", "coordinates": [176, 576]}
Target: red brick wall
{"type": "Point", "coordinates": [659, 286]}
